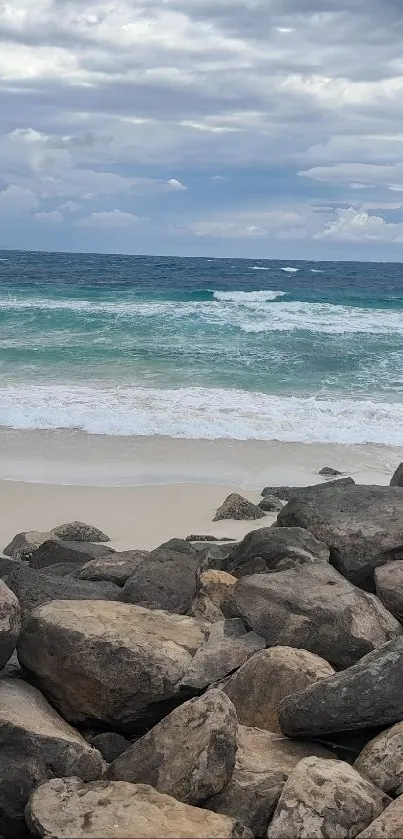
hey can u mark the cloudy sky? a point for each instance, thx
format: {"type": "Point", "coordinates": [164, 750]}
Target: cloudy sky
{"type": "Point", "coordinates": [269, 128]}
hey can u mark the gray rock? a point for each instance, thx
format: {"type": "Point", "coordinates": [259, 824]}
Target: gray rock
{"type": "Point", "coordinates": [288, 493]}
{"type": "Point", "coordinates": [66, 807]}
{"type": "Point", "coordinates": [271, 504]}
{"type": "Point", "coordinates": [227, 646]}
{"type": "Point", "coordinates": [389, 587]}
{"type": "Point", "coordinates": [397, 479]}
{"type": "Point", "coordinates": [114, 568]}
{"type": "Point", "coordinates": [312, 607]}
{"type": "Point", "coordinates": [109, 743]}
{"type": "Point", "coordinates": [200, 538]}
{"type": "Point", "coordinates": [329, 472]}
{"type": "Point", "coordinates": [237, 507]}
{"type": "Point", "coordinates": [362, 525]}
{"type": "Point", "coordinates": [381, 760]}
{"type": "Point", "coordinates": [10, 623]}
{"type": "Point", "coordinates": [23, 544]}
{"type": "Point", "coordinates": [263, 763]}
{"type": "Point", "coordinates": [35, 588]}
{"type": "Point", "coordinates": [11, 669]}
{"type": "Point", "coordinates": [79, 531]}
{"type": "Point", "coordinates": [179, 546]}
{"type": "Point", "coordinates": [325, 798]}
{"type": "Point", "coordinates": [35, 744]}
{"type": "Point", "coordinates": [122, 666]}
{"type": "Point", "coordinates": [367, 695]}
{"type": "Point", "coordinates": [55, 551]}
{"type": "Point", "coordinates": [266, 678]}
{"type": "Point", "coordinates": [388, 825]}
{"type": "Point", "coordinates": [189, 755]}
{"type": "Point", "coordinates": [166, 579]}
{"type": "Point", "coordinates": [275, 549]}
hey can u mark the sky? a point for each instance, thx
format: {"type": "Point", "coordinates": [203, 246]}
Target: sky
{"type": "Point", "coordinates": [267, 128]}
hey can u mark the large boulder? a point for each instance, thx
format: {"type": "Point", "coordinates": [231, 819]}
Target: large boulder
{"type": "Point", "coordinates": [325, 798]}
{"type": "Point", "coordinates": [367, 695]}
{"type": "Point", "coordinates": [10, 622]}
{"type": "Point", "coordinates": [239, 508]}
{"type": "Point", "coordinates": [66, 807]}
{"type": "Point", "coordinates": [329, 472]}
{"type": "Point", "coordinates": [266, 678]}
{"type": "Point", "coordinates": [190, 754]}
{"type": "Point", "coordinates": [388, 825]}
{"type": "Point", "coordinates": [271, 504]}
{"type": "Point", "coordinates": [212, 590]}
{"type": "Point", "coordinates": [23, 544]}
{"type": "Point", "coordinates": [56, 552]}
{"type": "Point", "coordinates": [275, 549]}
{"type": "Point", "coordinates": [381, 760]}
{"type": "Point", "coordinates": [314, 608]}
{"type": "Point", "coordinates": [114, 568]}
{"type": "Point", "coordinates": [397, 478]}
{"type": "Point", "coordinates": [124, 666]}
{"type": "Point", "coordinates": [287, 493]}
{"type": "Point", "coordinates": [35, 588]}
{"type": "Point", "coordinates": [35, 744]}
{"type": "Point", "coordinates": [166, 580]}
{"type": "Point", "coordinates": [79, 531]}
{"type": "Point", "coordinates": [389, 587]}
{"type": "Point", "coordinates": [263, 763]}
{"type": "Point", "coordinates": [362, 525]}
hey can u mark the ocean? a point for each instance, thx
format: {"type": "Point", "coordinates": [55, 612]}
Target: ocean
{"type": "Point", "coordinates": [202, 348]}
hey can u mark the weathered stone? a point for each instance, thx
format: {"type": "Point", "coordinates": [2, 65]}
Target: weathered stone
{"type": "Point", "coordinates": [114, 568]}
{"type": "Point", "coordinates": [388, 825]}
{"type": "Point", "coordinates": [212, 589]}
{"type": "Point", "coordinates": [68, 808]}
{"type": "Point", "coordinates": [275, 549]}
{"type": "Point", "coordinates": [11, 669]}
{"type": "Point", "coordinates": [381, 760]}
{"type": "Point", "coordinates": [35, 588]}
{"type": "Point", "coordinates": [23, 544]}
{"type": "Point", "coordinates": [109, 743]}
{"type": "Point", "coordinates": [35, 744]}
{"type": "Point", "coordinates": [122, 665]}
{"type": "Point", "coordinates": [263, 763]}
{"type": "Point", "coordinates": [237, 507]}
{"type": "Point", "coordinates": [166, 580]}
{"type": "Point", "coordinates": [314, 608]}
{"type": "Point", "coordinates": [10, 622]}
{"type": "Point", "coordinates": [389, 587]}
{"type": "Point", "coordinates": [55, 552]}
{"type": "Point", "coordinates": [362, 525]}
{"type": "Point", "coordinates": [271, 504]}
{"type": "Point", "coordinates": [397, 479]}
{"type": "Point", "coordinates": [266, 678]}
{"type": "Point", "coordinates": [287, 493]}
{"type": "Point", "coordinates": [189, 755]}
{"type": "Point", "coordinates": [329, 472]}
{"type": "Point", "coordinates": [325, 798]}
{"type": "Point", "coordinates": [367, 695]}
{"type": "Point", "coordinates": [201, 538]}
{"type": "Point", "coordinates": [79, 531]}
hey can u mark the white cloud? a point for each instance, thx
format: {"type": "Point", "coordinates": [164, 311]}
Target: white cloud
{"type": "Point", "coordinates": [109, 220]}
{"type": "Point", "coordinates": [52, 217]}
{"type": "Point", "coordinates": [353, 226]}
{"type": "Point", "coordinates": [16, 200]}
{"type": "Point", "coordinates": [175, 184]}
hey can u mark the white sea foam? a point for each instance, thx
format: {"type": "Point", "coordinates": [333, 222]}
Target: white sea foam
{"type": "Point", "coordinates": [260, 268]}
{"type": "Point", "coordinates": [201, 413]}
{"type": "Point", "coordinates": [248, 296]}
{"type": "Point", "coordinates": [316, 271]}
{"type": "Point", "coordinates": [290, 270]}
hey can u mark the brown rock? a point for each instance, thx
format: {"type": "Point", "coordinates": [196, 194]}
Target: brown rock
{"type": "Point", "coordinates": [381, 760]}
{"type": "Point", "coordinates": [212, 589]}
{"type": "Point", "coordinates": [10, 623]}
{"type": "Point", "coordinates": [269, 549]}
{"type": "Point", "coordinates": [388, 825]}
{"type": "Point", "coordinates": [79, 531]}
{"type": "Point", "coordinates": [113, 568]}
{"type": "Point", "coordinates": [237, 507]}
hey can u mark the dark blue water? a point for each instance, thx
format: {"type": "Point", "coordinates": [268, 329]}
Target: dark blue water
{"type": "Point", "coordinates": [202, 348]}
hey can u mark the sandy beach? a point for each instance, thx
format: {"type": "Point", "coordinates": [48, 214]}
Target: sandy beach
{"type": "Point", "coordinates": [142, 491]}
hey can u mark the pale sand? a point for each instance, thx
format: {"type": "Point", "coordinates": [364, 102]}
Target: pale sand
{"type": "Point", "coordinates": [143, 491]}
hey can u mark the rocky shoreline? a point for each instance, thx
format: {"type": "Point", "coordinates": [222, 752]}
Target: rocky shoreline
{"type": "Point", "coordinates": [209, 688]}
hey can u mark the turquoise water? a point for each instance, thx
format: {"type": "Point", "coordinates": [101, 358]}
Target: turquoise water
{"type": "Point", "coordinates": [202, 348]}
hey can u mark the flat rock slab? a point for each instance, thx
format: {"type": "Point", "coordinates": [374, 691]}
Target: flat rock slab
{"type": "Point", "coordinates": [272, 549]}
{"type": "Point", "coordinates": [10, 622]}
{"type": "Point", "coordinates": [23, 544]}
{"type": "Point", "coordinates": [114, 568]}
{"type": "Point", "coordinates": [388, 825]}
{"type": "Point", "coordinates": [66, 808]}
{"type": "Point", "coordinates": [381, 760]}
{"type": "Point", "coordinates": [125, 666]}
{"type": "Point", "coordinates": [314, 608]}
{"type": "Point", "coordinates": [362, 526]}
{"type": "Point", "coordinates": [288, 493]}
{"type": "Point", "coordinates": [367, 695]}
{"type": "Point", "coordinates": [55, 552]}
{"type": "Point", "coordinates": [325, 798]}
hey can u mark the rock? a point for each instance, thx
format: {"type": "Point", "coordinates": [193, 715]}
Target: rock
{"type": "Point", "coordinates": [179, 546]}
{"type": "Point", "coordinates": [275, 549]}
{"type": "Point", "coordinates": [7, 565]}
{"type": "Point", "coordinates": [314, 608]}
{"type": "Point", "coordinates": [288, 493]}
{"type": "Point", "coordinates": [189, 755]}
{"type": "Point", "coordinates": [266, 678]}
{"type": "Point", "coordinates": [35, 744]}
{"type": "Point", "coordinates": [122, 666]}
{"type": "Point", "coordinates": [78, 531]}
{"type": "Point", "coordinates": [325, 798]}
{"type": "Point", "coordinates": [271, 504]}
{"type": "Point", "coordinates": [212, 589]}
{"type": "Point", "coordinates": [367, 695]}
{"type": "Point", "coordinates": [65, 807]}
{"type": "Point", "coordinates": [195, 538]}
{"type": "Point", "coordinates": [10, 623]}
{"type": "Point", "coordinates": [116, 568]}
{"type": "Point", "coordinates": [397, 479]}
{"type": "Point", "coordinates": [166, 579]}
{"type": "Point", "coordinates": [35, 588]}
{"type": "Point", "coordinates": [109, 743]}
{"type": "Point", "coordinates": [362, 525]}
{"type": "Point", "coordinates": [23, 544]}
{"type": "Point", "coordinates": [389, 587]}
{"type": "Point", "coordinates": [76, 554]}
{"type": "Point", "coordinates": [263, 763]}
{"type": "Point", "coordinates": [11, 669]}
{"type": "Point", "coordinates": [329, 472]}
{"type": "Point", "coordinates": [388, 825]}
{"type": "Point", "coordinates": [236, 507]}
{"type": "Point", "coordinates": [381, 760]}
